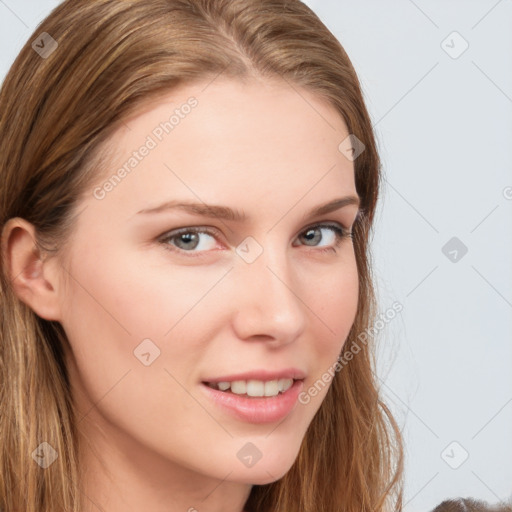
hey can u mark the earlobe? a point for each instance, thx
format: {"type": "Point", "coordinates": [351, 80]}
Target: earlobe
{"type": "Point", "coordinates": [29, 274]}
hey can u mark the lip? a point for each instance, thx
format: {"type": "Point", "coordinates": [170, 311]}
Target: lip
{"type": "Point", "coordinates": [265, 375]}
{"type": "Point", "coordinates": [256, 409]}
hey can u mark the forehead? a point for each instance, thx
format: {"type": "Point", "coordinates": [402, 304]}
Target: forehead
{"type": "Point", "coordinates": [230, 142]}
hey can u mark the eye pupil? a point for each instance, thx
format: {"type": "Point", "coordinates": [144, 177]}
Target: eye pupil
{"type": "Point", "coordinates": [188, 237]}
{"type": "Point", "coordinates": [312, 231]}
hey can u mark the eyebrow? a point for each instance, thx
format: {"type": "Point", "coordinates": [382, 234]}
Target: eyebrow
{"type": "Point", "coordinates": [228, 214]}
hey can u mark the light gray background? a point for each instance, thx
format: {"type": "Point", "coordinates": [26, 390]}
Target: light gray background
{"type": "Point", "coordinates": [444, 127]}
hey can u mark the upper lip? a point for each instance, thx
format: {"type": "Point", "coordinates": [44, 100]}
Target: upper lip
{"type": "Point", "coordinates": [265, 375]}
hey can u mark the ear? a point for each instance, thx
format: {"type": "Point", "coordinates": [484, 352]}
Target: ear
{"type": "Point", "coordinates": [33, 280]}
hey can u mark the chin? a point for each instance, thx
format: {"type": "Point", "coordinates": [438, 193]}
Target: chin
{"type": "Point", "coordinates": [260, 478]}
{"type": "Point", "coordinates": [260, 474]}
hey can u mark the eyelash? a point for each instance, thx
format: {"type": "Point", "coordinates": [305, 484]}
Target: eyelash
{"type": "Point", "coordinates": [340, 232]}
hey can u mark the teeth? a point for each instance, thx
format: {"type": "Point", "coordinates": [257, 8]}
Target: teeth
{"type": "Point", "coordinates": [285, 384]}
{"type": "Point", "coordinates": [256, 388]}
{"type": "Point", "coordinates": [239, 387]}
{"type": "Point", "coordinates": [271, 388]}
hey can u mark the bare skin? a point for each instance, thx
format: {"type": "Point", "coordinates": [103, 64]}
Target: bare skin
{"type": "Point", "coordinates": [156, 442]}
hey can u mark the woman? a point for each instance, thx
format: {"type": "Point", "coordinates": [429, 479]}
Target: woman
{"type": "Point", "coordinates": [187, 192]}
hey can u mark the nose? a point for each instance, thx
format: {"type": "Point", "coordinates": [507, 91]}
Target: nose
{"type": "Point", "coordinates": [267, 300]}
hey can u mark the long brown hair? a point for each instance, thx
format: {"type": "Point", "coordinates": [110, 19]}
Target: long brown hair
{"type": "Point", "coordinates": [57, 112]}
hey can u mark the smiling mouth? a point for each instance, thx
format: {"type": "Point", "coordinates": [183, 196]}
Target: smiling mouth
{"type": "Point", "coordinates": [253, 388]}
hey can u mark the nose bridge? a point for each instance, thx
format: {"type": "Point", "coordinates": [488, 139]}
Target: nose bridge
{"type": "Point", "coordinates": [268, 301]}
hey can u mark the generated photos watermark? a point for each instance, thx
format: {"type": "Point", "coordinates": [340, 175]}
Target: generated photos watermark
{"type": "Point", "coordinates": [349, 353]}
{"type": "Point", "coordinates": [157, 135]}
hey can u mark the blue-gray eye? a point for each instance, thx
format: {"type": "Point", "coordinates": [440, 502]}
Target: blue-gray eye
{"type": "Point", "coordinates": [186, 240]}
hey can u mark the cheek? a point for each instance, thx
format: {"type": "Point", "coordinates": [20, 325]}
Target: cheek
{"type": "Point", "coordinates": [339, 297]}
{"type": "Point", "coordinates": [334, 303]}
{"type": "Point", "coordinates": [335, 299]}
{"type": "Point", "coordinates": [129, 295]}
{"type": "Point", "coordinates": [117, 315]}
{"type": "Point", "coordinates": [118, 302]}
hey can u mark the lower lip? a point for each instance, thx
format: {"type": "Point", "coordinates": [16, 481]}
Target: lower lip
{"type": "Point", "coordinates": [257, 409]}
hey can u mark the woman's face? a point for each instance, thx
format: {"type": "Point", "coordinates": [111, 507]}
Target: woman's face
{"type": "Point", "coordinates": [264, 293]}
